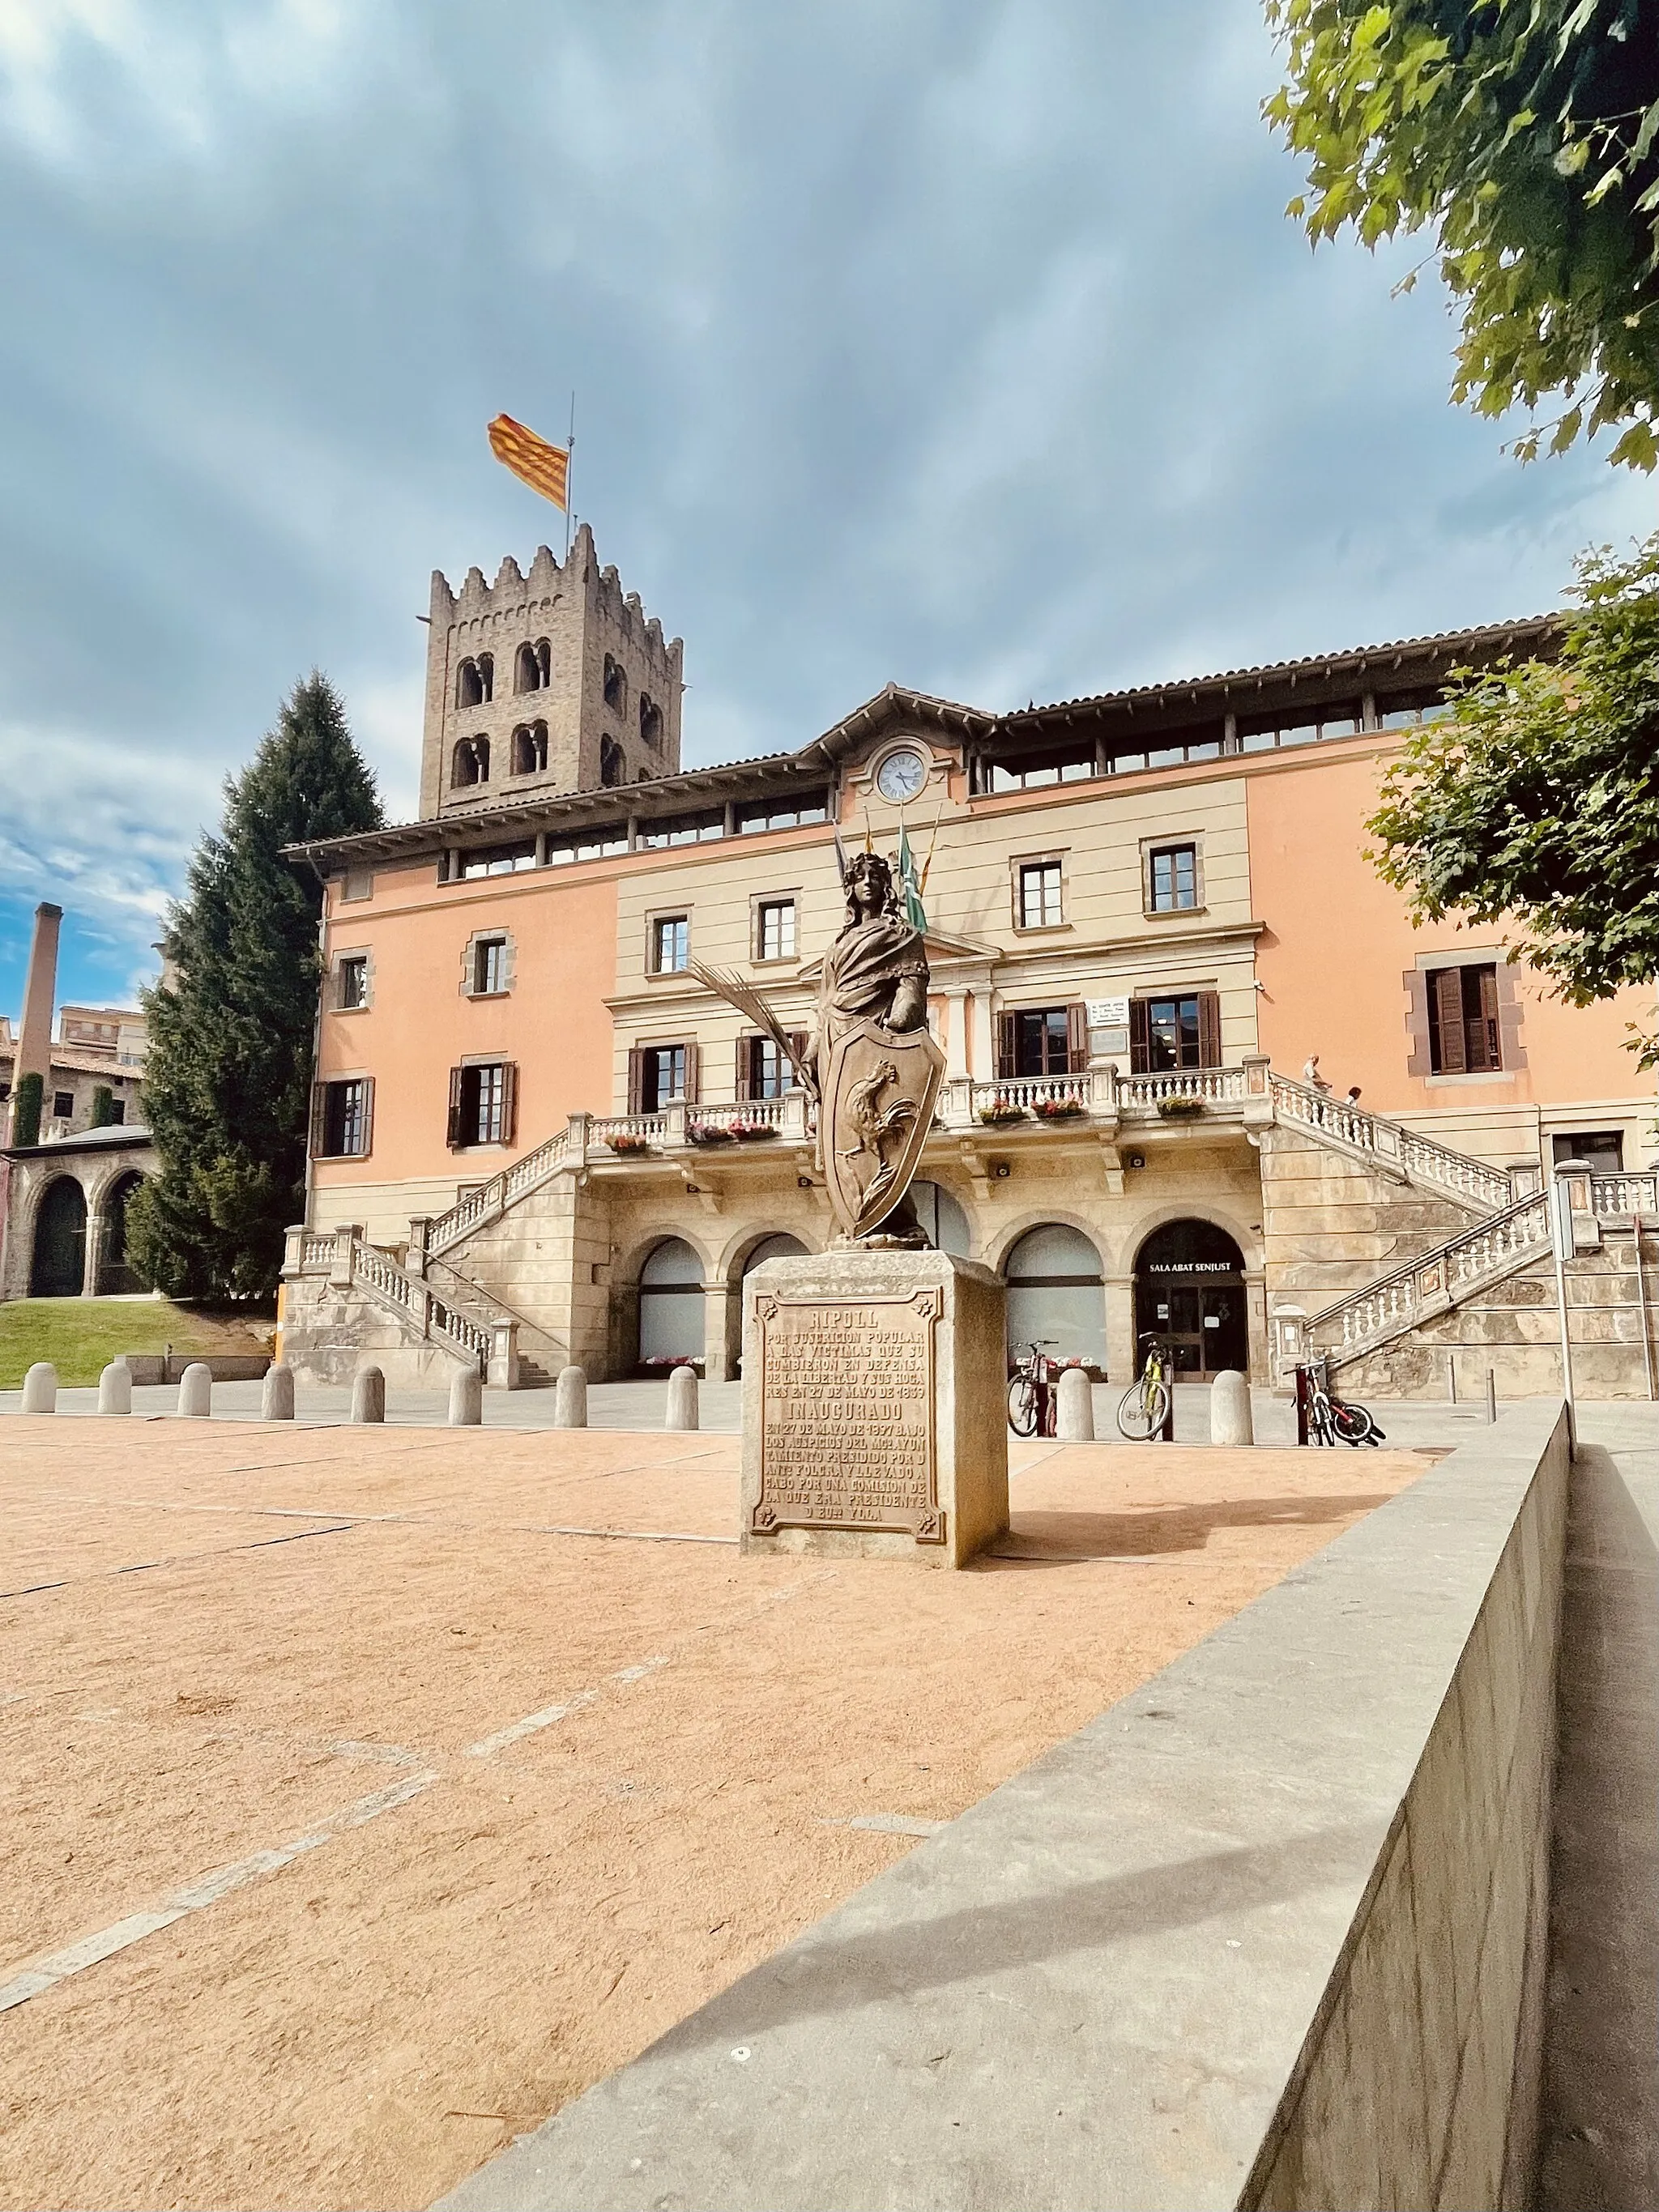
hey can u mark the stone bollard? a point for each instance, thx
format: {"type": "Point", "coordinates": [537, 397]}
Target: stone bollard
{"type": "Point", "coordinates": [570, 1399]}
{"type": "Point", "coordinates": [368, 1395]}
{"type": "Point", "coordinates": [41, 1389]}
{"type": "Point", "coordinates": [276, 1398]}
{"type": "Point", "coordinates": [1231, 1419]}
{"type": "Point", "coordinates": [195, 1391]}
{"type": "Point", "coordinates": [466, 1398]}
{"type": "Point", "coordinates": [1075, 1420]}
{"type": "Point", "coordinates": [115, 1389]}
{"type": "Point", "coordinates": [682, 1399]}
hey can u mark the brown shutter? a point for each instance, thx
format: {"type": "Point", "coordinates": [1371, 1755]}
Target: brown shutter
{"type": "Point", "coordinates": [1487, 979]}
{"type": "Point", "coordinates": [693, 1074]}
{"type": "Point", "coordinates": [509, 1100]}
{"type": "Point", "coordinates": [1007, 1046]}
{"type": "Point", "coordinates": [367, 1145]}
{"type": "Point", "coordinates": [455, 1137]}
{"type": "Point", "coordinates": [745, 1079]}
{"type": "Point", "coordinates": [636, 1080]}
{"type": "Point", "coordinates": [1077, 1037]}
{"type": "Point", "coordinates": [1140, 1037]}
{"type": "Point", "coordinates": [1209, 1029]}
{"type": "Point", "coordinates": [319, 1118]}
{"type": "Point", "coordinates": [1448, 986]}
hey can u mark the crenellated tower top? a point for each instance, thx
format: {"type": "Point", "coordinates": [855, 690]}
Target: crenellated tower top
{"type": "Point", "coordinates": [550, 680]}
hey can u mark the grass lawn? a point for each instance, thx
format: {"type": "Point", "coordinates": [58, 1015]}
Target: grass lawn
{"type": "Point", "coordinates": [81, 1336]}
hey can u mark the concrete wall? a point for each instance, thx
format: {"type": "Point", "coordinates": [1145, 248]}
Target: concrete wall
{"type": "Point", "coordinates": [1270, 1932]}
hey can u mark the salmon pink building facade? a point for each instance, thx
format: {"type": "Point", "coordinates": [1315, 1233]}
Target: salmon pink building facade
{"type": "Point", "coordinates": [538, 1140]}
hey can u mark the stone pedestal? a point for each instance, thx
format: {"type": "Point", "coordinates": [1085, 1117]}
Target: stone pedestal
{"type": "Point", "coordinates": [874, 1413]}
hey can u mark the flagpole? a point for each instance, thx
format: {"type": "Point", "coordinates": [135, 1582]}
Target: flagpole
{"type": "Point", "coordinates": [569, 473]}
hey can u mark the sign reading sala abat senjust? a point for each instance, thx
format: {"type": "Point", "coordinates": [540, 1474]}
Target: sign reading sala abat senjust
{"type": "Point", "coordinates": [847, 1421]}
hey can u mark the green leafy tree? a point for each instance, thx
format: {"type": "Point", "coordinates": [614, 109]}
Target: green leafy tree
{"type": "Point", "coordinates": [103, 1106]}
{"type": "Point", "coordinates": [228, 1078]}
{"type": "Point", "coordinates": [1526, 133]}
{"type": "Point", "coordinates": [26, 1110]}
{"type": "Point", "coordinates": [1536, 802]}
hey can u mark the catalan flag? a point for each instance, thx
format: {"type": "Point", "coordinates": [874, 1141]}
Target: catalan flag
{"type": "Point", "coordinates": [544, 468]}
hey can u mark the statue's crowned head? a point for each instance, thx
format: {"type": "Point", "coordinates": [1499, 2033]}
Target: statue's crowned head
{"type": "Point", "coordinates": [870, 888]}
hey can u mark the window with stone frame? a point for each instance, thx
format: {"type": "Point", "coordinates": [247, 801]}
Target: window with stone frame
{"type": "Point", "coordinates": [661, 1075]}
{"type": "Point", "coordinates": [489, 967]}
{"type": "Point", "coordinates": [351, 982]}
{"type": "Point", "coordinates": [774, 929]}
{"type": "Point", "coordinates": [1465, 1035]}
{"type": "Point", "coordinates": [1175, 1029]}
{"type": "Point", "coordinates": [763, 1071]}
{"type": "Point", "coordinates": [62, 1105]}
{"type": "Point", "coordinates": [670, 944]}
{"type": "Point", "coordinates": [342, 1118]}
{"type": "Point", "coordinates": [1172, 879]}
{"type": "Point", "coordinates": [1042, 895]}
{"type": "Point", "coordinates": [482, 1103]}
{"type": "Point", "coordinates": [1602, 1151]}
{"type": "Point", "coordinates": [1043, 1041]}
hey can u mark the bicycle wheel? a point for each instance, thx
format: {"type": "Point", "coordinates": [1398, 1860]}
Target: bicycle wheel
{"type": "Point", "coordinates": [1023, 1406]}
{"type": "Point", "coordinates": [1134, 1411]}
{"type": "Point", "coordinates": [1158, 1407]}
{"type": "Point", "coordinates": [1353, 1424]}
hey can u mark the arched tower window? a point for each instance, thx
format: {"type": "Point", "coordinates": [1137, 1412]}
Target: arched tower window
{"type": "Point", "coordinates": [529, 748]}
{"type": "Point", "coordinates": [650, 720]}
{"type": "Point", "coordinates": [610, 761]}
{"type": "Point", "coordinates": [471, 763]}
{"type": "Point", "coordinates": [616, 685]}
{"type": "Point", "coordinates": [469, 685]}
{"type": "Point", "coordinates": [487, 675]}
{"type": "Point", "coordinates": [534, 669]}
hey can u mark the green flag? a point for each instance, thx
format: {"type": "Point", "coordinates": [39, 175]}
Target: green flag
{"type": "Point", "coordinates": [915, 913]}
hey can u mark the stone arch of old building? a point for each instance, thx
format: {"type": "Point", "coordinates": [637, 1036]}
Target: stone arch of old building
{"type": "Point", "coordinates": [529, 748]}
{"type": "Point", "coordinates": [671, 1303]}
{"type": "Point", "coordinates": [115, 1276]}
{"type": "Point", "coordinates": [1191, 1290]}
{"type": "Point", "coordinates": [650, 720]}
{"type": "Point", "coordinates": [470, 762]}
{"type": "Point", "coordinates": [616, 685]}
{"type": "Point", "coordinates": [57, 1249]}
{"type": "Point", "coordinates": [533, 668]}
{"type": "Point", "coordinates": [1245, 1233]}
{"type": "Point", "coordinates": [612, 762]}
{"type": "Point", "coordinates": [1056, 1285]}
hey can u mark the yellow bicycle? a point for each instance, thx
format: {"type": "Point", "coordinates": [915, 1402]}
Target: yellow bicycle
{"type": "Point", "coordinates": [1145, 1405]}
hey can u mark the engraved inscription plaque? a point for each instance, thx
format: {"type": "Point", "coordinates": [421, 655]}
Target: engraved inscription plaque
{"type": "Point", "coordinates": [847, 1413]}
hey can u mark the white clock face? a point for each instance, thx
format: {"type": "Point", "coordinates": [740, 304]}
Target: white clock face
{"type": "Point", "coordinates": [900, 776]}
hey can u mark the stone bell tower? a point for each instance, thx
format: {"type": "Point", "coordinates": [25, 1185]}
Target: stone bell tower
{"type": "Point", "coordinates": [551, 682]}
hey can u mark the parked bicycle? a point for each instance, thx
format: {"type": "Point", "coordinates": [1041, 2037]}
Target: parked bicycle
{"type": "Point", "coordinates": [1145, 1405]}
{"type": "Point", "coordinates": [1331, 1419]}
{"type": "Point", "coordinates": [1033, 1399]}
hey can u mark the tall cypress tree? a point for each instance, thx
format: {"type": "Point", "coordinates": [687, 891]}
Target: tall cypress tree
{"type": "Point", "coordinates": [227, 1080]}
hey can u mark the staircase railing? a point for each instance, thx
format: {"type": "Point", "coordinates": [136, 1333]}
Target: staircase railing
{"type": "Point", "coordinates": [487, 1200]}
{"type": "Point", "coordinates": [1475, 1183]}
{"type": "Point", "coordinates": [1395, 1302]}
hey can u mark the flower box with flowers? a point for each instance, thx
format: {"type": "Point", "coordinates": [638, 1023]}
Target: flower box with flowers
{"type": "Point", "coordinates": [1000, 1112]}
{"type": "Point", "coordinates": [708, 1133]}
{"type": "Point", "coordinates": [1180, 1107]}
{"type": "Point", "coordinates": [1058, 1109]}
{"type": "Point", "coordinates": [628, 1141]}
{"type": "Point", "coordinates": [747, 1132]}
{"type": "Point", "coordinates": [660, 1362]}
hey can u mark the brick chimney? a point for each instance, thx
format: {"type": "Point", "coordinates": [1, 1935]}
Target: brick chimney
{"type": "Point", "coordinates": [39, 998]}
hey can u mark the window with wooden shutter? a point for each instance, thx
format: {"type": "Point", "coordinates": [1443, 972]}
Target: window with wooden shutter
{"type": "Point", "coordinates": [1448, 1052]}
{"type": "Point", "coordinates": [745, 1079]}
{"type": "Point", "coordinates": [693, 1073]}
{"type": "Point", "coordinates": [457, 1135]}
{"type": "Point", "coordinates": [1480, 985]}
{"type": "Point", "coordinates": [635, 1080]}
{"type": "Point", "coordinates": [1007, 1046]}
{"type": "Point", "coordinates": [1077, 1037]}
{"type": "Point", "coordinates": [318, 1111]}
{"type": "Point", "coordinates": [509, 1100]}
{"type": "Point", "coordinates": [368, 1143]}
{"type": "Point", "coordinates": [1141, 1038]}
{"type": "Point", "coordinates": [1209, 1029]}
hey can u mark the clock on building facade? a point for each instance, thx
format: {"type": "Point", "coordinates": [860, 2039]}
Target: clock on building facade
{"type": "Point", "coordinates": [902, 775]}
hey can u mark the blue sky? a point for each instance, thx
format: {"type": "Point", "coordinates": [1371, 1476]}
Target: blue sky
{"type": "Point", "coordinates": [958, 342]}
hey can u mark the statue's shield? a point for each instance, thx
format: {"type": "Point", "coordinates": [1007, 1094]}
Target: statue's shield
{"type": "Point", "coordinates": [877, 1110]}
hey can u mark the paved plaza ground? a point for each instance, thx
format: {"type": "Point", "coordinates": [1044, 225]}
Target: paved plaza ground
{"type": "Point", "coordinates": [363, 1803]}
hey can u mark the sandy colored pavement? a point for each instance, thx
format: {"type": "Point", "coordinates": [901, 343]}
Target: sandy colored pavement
{"type": "Point", "coordinates": [490, 1800]}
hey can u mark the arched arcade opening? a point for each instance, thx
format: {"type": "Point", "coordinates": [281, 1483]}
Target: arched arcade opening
{"type": "Point", "coordinates": [671, 1304]}
{"type": "Point", "coordinates": [1189, 1289]}
{"type": "Point", "coordinates": [1056, 1296]}
{"type": "Point", "coordinates": [57, 1263]}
